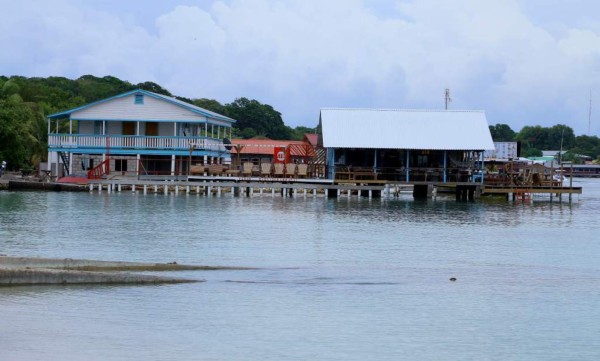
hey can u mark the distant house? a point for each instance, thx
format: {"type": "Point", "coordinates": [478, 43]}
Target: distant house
{"type": "Point", "coordinates": [405, 145]}
{"type": "Point", "coordinates": [137, 132]}
{"type": "Point", "coordinates": [262, 150]}
{"type": "Point", "coordinates": [503, 151]}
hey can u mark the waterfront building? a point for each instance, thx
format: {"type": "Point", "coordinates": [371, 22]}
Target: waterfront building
{"type": "Point", "coordinates": [431, 146]}
{"type": "Point", "coordinates": [259, 151]}
{"type": "Point", "coordinates": [137, 132]}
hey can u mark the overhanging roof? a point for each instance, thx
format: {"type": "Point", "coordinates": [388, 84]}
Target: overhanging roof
{"type": "Point", "coordinates": [405, 129]}
{"type": "Point", "coordinates": [188, 106]}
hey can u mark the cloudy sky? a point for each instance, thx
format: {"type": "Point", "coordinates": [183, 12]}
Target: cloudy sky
{"type": "Point", "coordinates": [525, 62]}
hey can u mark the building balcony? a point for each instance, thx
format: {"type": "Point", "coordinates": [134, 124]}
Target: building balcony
{"type": "Point", "coordinates": [131, 144]}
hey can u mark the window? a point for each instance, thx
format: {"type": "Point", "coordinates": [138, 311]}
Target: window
{"type": "Point", "coordinates": [139, 99]}
{"type": "Point", "coordinates": [98, 127]}
{"type": "Point", "coordinates": [121, 165]}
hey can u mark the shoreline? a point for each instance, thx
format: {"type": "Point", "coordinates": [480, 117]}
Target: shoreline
{"type": "Point", "coordinates": [20, 271]}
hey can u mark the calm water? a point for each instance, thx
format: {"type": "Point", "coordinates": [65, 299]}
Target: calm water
{"type": "Point", "coordinates": [338, 280]}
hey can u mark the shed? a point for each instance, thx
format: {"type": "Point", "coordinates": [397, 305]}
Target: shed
{"type": "Point", "coordinates": [398, 144]}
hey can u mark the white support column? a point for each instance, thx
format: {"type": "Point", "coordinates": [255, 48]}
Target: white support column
{"type": "Point", "coordinates": [145, 189]}
{"type": "Point", "coordinates": [173, 164]}
{"type": "Point", "coordinates": [137, 165]}
{"type": "Point", "coordinates": [314, 192]}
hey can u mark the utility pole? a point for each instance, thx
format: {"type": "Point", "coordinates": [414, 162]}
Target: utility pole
{"type": "Point", "coordinates": [447, 97]}
{"type": "Point", "coordinates": [590, 115]}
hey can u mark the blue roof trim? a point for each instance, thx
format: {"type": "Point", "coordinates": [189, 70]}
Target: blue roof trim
{"type": "Point", "coordinates": [171, 100]}
{"type": "Point", "coordinates": [198, 121]}
{"type": "Point", "coordinates": [210, 153]}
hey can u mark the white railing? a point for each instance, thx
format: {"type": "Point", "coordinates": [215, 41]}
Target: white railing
{"type": "Point", "coordinates": [133, 142]}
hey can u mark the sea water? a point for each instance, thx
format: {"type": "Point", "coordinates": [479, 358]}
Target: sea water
{"type": "Point", "coordinates": [335, 279]}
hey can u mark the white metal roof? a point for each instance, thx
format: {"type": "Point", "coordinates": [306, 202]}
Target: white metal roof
{"type": "Point", "coordinates": [405, 129]}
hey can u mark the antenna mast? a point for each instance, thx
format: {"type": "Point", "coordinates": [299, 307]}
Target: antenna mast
{"type": "Point", "coordinates": [590, 115]}
{"type": "Point", "coordinates": [447, 97]}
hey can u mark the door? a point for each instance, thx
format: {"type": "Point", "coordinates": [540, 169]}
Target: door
{"type": "Point", "coordinates": [151, 129]}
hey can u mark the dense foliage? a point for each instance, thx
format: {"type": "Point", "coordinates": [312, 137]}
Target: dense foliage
{"type": "Point", "coordinates": [26, 102]}
{"type": "Point", "coordinates": [534, 139]}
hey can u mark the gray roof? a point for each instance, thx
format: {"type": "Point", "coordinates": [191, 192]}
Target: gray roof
{"type": "Point", "coordinates": [405, 129]}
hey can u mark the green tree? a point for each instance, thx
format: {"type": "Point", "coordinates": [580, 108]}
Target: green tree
{"type": "Point", "coordinates": [210, 104]}
{"type": "Point", "coordinates": [153, 87]}
{"type": "Point", "coordinates": [299, 132]}
{"type": "Point", "coordinates": [22, 133]}
{"type": "Point", "coordinates": [265, 120]}
{"type": "Point", "coordinates": [502, 133]}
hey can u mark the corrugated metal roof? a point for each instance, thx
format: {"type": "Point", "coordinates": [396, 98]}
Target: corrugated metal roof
{"type": "Point", "coordinates": [405, 129]}
{"type": "Point", "coordinates": [267, 146]}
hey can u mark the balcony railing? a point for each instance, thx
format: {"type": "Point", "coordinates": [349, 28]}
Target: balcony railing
{"type": "Point", "coordinates": [84, 141]}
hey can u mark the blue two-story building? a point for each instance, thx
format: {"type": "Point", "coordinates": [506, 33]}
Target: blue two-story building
{"type": "Point", "coordinates": [136, 133]}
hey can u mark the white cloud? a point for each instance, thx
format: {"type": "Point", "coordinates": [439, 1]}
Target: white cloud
{"type": "Point", "coordinates": [521, 66]}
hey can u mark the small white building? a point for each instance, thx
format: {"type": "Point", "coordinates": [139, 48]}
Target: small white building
{"type": "Point", "coordinates": [136, 133]}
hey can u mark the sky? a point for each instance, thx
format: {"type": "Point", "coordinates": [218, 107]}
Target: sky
{"type": "Point", "coordinates": [524, 62]}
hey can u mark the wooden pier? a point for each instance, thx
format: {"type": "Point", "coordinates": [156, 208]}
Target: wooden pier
{"type": "Point", "coordinates": [302, 187]}
{"type": "Point", "coordinates": [243, 186]}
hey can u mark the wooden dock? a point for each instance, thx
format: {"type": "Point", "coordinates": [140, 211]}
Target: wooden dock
{"type": "Point", "coordinates": [303, 187]}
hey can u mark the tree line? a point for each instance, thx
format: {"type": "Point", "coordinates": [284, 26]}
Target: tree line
{"type": "Point", "coordinates": [536, 138]}
{"type": "Point", "coordinates": [25, 104]}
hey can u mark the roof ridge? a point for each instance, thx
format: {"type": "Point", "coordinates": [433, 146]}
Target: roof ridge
{"type": "Point", "coordinates": [409, 110]}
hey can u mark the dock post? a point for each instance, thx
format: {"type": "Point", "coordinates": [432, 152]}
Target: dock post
{"type": "Point", "coordinates": [91, 187]}
{"type": "Point", "coordinates": [260, 191]}
{"type": "Point", "coordinates": [133, 188]}
{"type": "Point", "coordinates": [156, 188]}
{"type": "Point", "coordinates": [370, 193]}
{"type": "Point", "coordinates": [305, 191]}
{"type": "Point", "coordinates": [166, 190]}
{"type": "Point", "coordinates": [176, 190]}
{"type": "Point", "coordinates": [145, 189]}
{"type": "Point", "coordinates": [295, 192]}
{"type": "Point", "coordinates": [187, 189]}
{"type": "Point", "coordinates": [197, 189]}
{"type": "Point", "coordinates": [314, 192]}
{"type": "Point", "coordinates": [273, 192]}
